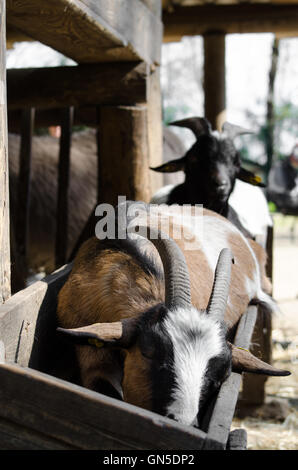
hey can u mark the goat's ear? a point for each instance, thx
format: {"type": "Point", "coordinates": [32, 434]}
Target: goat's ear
{"type": "Point", "coordinates": [171, 166]}
{"type": "Point", "coordinates": [116, 334]}
{"type": "Point", "coordinates": [249, 177]}
{"type": "Point", "coordinates": [245, 361]}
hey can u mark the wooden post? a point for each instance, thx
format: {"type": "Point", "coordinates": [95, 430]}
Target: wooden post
{"type": "Point", "coordinates": [124, 161]}
{"type": "Point", "coordinates": [215, 79]}
{"type": "Point", "coordinates": [63, 184]}
{"type": "Point", "coordinates": [155, 129]}
{"type": "Point", "coordinates": [253, 393]}
{"type": "Point", "coordinates": [4, 192]}
{"type": "Point", "coordinates": [24, 179]}
{"type": "Point", "coordinates": [154, 104]}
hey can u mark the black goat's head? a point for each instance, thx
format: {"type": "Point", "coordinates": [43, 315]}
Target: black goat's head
{"type": "Point", "coordinates": [212, 164]}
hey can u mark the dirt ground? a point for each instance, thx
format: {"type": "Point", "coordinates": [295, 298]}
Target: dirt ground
{"type": "Point", "coordinates": [275, 426]}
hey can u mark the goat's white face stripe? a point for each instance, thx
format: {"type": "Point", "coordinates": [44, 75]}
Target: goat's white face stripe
{"type": "Point", "coordinates": [191, 356]}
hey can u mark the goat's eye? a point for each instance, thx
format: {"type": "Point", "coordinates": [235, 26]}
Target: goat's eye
{"type": "Point", "coordinates": [148, 353]}
{"type": "Point", "coordinates": [147, 349]}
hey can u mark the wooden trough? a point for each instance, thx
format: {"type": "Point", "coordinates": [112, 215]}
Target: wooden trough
{"type": "Point", "coordinates": [41, 409]}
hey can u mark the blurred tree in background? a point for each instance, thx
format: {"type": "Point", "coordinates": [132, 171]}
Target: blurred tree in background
{"type": "Point", "coordinates": [280, 123]}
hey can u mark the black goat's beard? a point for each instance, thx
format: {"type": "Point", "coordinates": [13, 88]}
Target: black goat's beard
{"type": "Point", "coordinates": [219, 207]}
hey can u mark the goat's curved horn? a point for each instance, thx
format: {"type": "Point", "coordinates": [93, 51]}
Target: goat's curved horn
{"type": "Point", "coordinates": [220, 290]}
{"type": "Point", "coordinates": [244, 361]}
{"type": "Point", "coordinates": [177, 282]}
{"type": "Point", "coordinates": [233, 131]}
{"type": "Point", "coordinates": [198, 125]}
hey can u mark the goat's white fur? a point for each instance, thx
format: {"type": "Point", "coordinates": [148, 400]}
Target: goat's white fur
{"type": "Point", "coordinates": [191, 358]}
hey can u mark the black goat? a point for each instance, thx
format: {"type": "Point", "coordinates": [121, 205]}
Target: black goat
{"type": "Point", "coordinates": [211, 167]}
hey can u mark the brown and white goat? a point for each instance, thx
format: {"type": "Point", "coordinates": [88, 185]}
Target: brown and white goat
{"type": "Point", "coordinates": [152, 320]}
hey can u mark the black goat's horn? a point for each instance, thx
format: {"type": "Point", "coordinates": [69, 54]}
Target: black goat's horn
{"type": "Point", "coordinates": [220, 290]}
{"type": "Point", "coordinates": [177, 282]}
{"type": "Point", "coordinates": [198, 125]}
{"type": "Point", "coordinates": [233, 131]}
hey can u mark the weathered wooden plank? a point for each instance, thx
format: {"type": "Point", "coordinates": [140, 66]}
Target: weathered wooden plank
{"type": "Point", "coordinates": [27, 320]}
{"type": "Point", "coordinates": [4, 193]}
{"type": "Point", "coordinates": [63, 186]}
{"type": "Point", "coordinates": [24, 180]}
{"type": "Point", "coordinates": [57, 87]}
{"type": "Point", "coordinates": [16, 437]}
{"type": "Point", "coordinates": [230, 19]}
{"type": "Point", "coordinates": [90, 420]}
{"type": "Point", "coordinates": [91, 31]}
{"type": "Point", "coordinates": [224, 408]}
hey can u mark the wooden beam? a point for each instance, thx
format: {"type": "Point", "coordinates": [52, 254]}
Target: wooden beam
{"type": "Point", "coordinates": [24, 181]}
{"type": "Point", "coordinates": [83, 116]}
{"type": "Point", "coordinates": [14, 35]}
{"type": "Point", "coordinates": [215, 79]}
{"type": "Point", "coordinates": [83, 419]}
{"type": "Point", "coordinates": [4, 192]}
{"type": "Point", "coordinates": [63, 185]}
{"type": "Point", "coordinates": [229, 19]}
{"type": "Point", "coordinates": [54, 87]}
{"type": "Point", "coordinates": [90, 31]}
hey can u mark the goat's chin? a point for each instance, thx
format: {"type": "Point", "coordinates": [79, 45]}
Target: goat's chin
{"type": "Point", "coordinates": [218, 203]}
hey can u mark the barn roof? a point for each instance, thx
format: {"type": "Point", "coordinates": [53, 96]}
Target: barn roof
{"type": "Point", "coordinates": [117, 30]}
{"type": "Point", "coordinates": [192, 17]}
